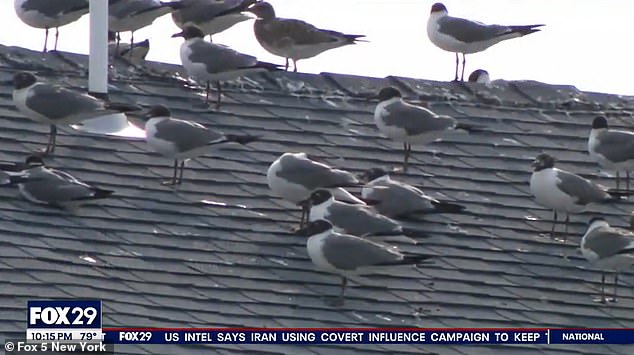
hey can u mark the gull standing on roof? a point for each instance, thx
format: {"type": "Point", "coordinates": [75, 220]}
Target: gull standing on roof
{"type": "Point", "coordinates": [207, 61]}
{"type": "Point", "coordinates": [359, 220]}
{"type": "Point", "coordinates": [53, 187]}
{"type": "Point", "coordinates": [347, 255]}
{"type": "Point", "coordinates": [50, 14]}
{"type": "Point", "coordinates": [134, 53]}
{"type": "Point", "coordinates": [407, 123]}
{"type": "Point", "coordinates": [211, 16]}
{"type": "Point", "coordinates": [612, 149]}
{"type": "Point", "coordinates": [294, 39]}
{"type": "Point", "coordinates": [608, 248]}
{"type": "Point", "coordinates": [131, 15]}
{"type": "Point", "coordinates": [294, 176]}
{"type": "Point", "coordinates": [397, 199]}
{"type": "Point", "coordinates": [464, 36]}
{"type": "Point", "coordinates": [55, 105]}
{"type": "Point", "coordinates": [182, 140]}
{"type": "Point", "coordinates": [564, 191]}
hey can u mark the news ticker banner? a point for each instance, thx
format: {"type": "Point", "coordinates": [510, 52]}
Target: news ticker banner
{"type": "Point", "coordinates": [76, 321]}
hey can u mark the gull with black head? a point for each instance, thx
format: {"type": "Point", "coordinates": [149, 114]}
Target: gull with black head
{"type": "Point", "coordinates": [347, 255]}
{"type": "Point", "coordinates": [613, 149]}
{"type": "Point", "coordinates": [459, 35]}
{"type": "Point", "coordinates": [207, 61]}
{"type": "Point", "coordinates": [359, 220]}
{"type": "Point", "coordinates": [608, 248]}
{"type": "Point", "coordinates": [56, 105]}
{"type": "Point", "coordinates": [42, 185]}
{"type": "Point", "coordinates": [564, 191]}
{"type": "Point", "coordinates": [407, 123]}
{"type": "Point", "coordinates": [182, 140]}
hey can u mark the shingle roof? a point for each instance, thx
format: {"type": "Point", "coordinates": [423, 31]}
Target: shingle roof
{"type": "Point", "coordinates": [159, 257]}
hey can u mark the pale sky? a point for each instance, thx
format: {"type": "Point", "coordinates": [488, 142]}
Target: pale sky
{"type": "Point", "coordinates": [585, 43]}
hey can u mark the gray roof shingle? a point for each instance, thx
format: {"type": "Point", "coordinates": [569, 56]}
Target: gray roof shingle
{"type": "Point", "coordinates": [159, 257]}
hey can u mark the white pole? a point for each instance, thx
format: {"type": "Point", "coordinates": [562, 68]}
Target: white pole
{"type": "Point", "coordinates": [98, 60]}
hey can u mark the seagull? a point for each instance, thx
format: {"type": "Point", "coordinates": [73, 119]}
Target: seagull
{"type": "Point", "coordinates": [479, 76]}
{"type": "Point", "coordinates": [211, 16]}
{"type": "Point", "coordinates": [407, 123]}
{"type": "Point", "coordinates": [564, 191]}
{"type": "Point", "coordinates": [608, 248]}
{"type": "Point", "coordinates": [182, 140]}
{"type": "Point", "coordinates": [294, 39]}
{"type": "Point", "coordinates": [207, 61]}
{"type": "Point", "coordinates": [612, 149]}
{"type": "Point", "coordinates": [50, 14]}
{"type": "Point", "coordinates": [131, 15]}
{"type": "Point", "coordinates": [294, 176]}
{"type": "Point", "coordinates": [42, 185]}
{"type": "Point", "coordinates": [55, 105]}
{"type": "Point", "coordinates": [134, 53]}
{"type": "Point", "coordinates": [347, 255]}
{"type": "Point", "coordinates": [359, 220]}
{"type": "Point", "coordinates": [397, 199]}
{"type": "Point", "coordinates": [464, 36]}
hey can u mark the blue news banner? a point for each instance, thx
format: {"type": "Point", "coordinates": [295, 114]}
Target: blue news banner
{"type": "Point", "coordinates": [367, 336]}
{"type": "Point", "coordinates": [54, 323]}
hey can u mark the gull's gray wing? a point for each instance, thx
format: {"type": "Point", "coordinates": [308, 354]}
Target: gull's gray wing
{"type": "Point", "coordinates": [313, 175]}
{"type": "Point", "coordinates": [414, 119]}
{"type": "Point", "coordinates": [360, 220]}
{"type": "Point", "coordinates": [200, 11]}
{"type": "Point", "coordinates": [616, 146]}
{"type": "Point", "coordinates": [607, 242]}
{"type": "Point", "coordinates": [582, 190]}
{"type": "Point", "coordinates": [470, 31]}
{"type": "Point", "coordinates": [396, 199]}
{"type": "Point", "coordinates": [218, 58]}
{"type": "Point", "coordinates": [56, 102]}
{"type": "Point", "coordinates": [348, 252]}
{"type": "Point", "coordinates": [55, 8]}
{"type": "Point", "coordinates": [186, 135]}
{"type": "Point", "coordinates": [283, 32]}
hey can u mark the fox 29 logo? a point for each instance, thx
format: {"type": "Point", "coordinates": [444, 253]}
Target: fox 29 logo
{"type": "Point", "coordinates": [84, 314]}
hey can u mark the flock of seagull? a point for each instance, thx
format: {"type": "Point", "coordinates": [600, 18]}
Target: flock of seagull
{"type": "Point", "coordinates": [346, 234]}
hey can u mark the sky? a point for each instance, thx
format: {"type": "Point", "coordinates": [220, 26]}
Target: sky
{"type": "Point", "coordinates": [584, 43]}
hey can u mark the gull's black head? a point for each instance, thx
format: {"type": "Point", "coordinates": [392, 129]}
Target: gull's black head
{"type": "Point", "coordinates": [320, 196]}
{"type": "Point", "coordinates": [23, 79]}
{"type": "Point", "coordinates": [479, 76]}
{"type": "Point", "coordinates": [600, 122]}
{"type": "Point", "coordinates": [190, 32]}
{"type": "Point", "coordinates": [543, 161]}
{"type": "Point", "coordinates": [262, 10]}
{"type": "Point", "coordinates": [388, 92]}
{"type": "Point", "coordinates": [438, 7]}
{"type": "Point", "coordinates": [315, 227]}
{"type": "Point", "coordinates": [34, 160]}
{"type": "Point", "coordinates": [157, 111]}
{"type": "Point", "coordinates": [371, 174]}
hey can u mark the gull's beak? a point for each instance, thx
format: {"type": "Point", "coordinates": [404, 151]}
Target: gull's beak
{"type": "Point", "coordinates": [179, 34]}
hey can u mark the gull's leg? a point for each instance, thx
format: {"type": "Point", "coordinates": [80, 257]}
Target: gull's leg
{"type": "Point", "coordinates": [56, 37]}
{"type": "Point", "coordinates": [173, 181]}
{"type": "Point", "coordinates": [616, 285]}
{"type": "Point", "coordinates": [294, 66]}
{"type": "Point", "coordinates": [552, 230]}
{"type": "Point", "coordinates": [180, 177]}
{"type": "Point", "coordinates": [627, 180]}
{"type": "Point", "coordinates": [464, 62]}
{"type": "Point", "coordinates": [219, 94]}
{"type": "Point", "coordinates": [603, 300]}
{"type": "Point", "coordinates": [45, 39]}
{"type": "Point", "coordinates": [618, 179]}
{"type": "Point", "coordinates": [286, 66]}
{"type": "Point", "coordinates": [457, 63]}
{"type": "Point", "coordinates": [207, 93]}
{"type": "Point", "coordinates": [406, 149]}
{"type": "Point", "coordinates": [566, 227]}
